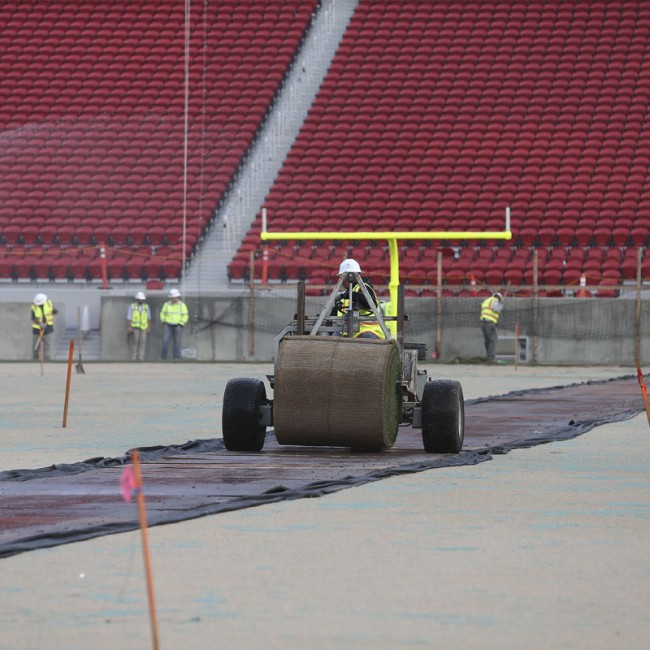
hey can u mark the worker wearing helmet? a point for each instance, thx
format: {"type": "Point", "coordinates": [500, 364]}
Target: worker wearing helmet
{"type": "Point", "coordinates": [138, 317]}
{"type": "Point", "coordinates": [173, 316]}
{"type": "Point", "coordinates": [43, 313]}
{"type": "Point", "coordinates": [367, 329]}
{"type": "Point", "coordinates": [490, 311]}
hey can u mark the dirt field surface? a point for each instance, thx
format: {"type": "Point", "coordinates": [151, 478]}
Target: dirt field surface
{"type": "Point", "coordinates": [540, 548]}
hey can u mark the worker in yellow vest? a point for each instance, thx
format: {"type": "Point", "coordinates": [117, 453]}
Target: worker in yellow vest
{"type": "Point", "coordinates": [173, 316]}
{"type": "Point", "coordinates": [370, 329]}
{"type": "Point", "coordinates": [43, 313]}
{"type": "Point", "coordinates": [490, 311]}
{"type": "Point", "coordinates": [139, 320]}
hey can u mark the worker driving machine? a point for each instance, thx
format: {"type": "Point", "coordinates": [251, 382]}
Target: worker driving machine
{"type": "Point", "coordinates": [344, 378]}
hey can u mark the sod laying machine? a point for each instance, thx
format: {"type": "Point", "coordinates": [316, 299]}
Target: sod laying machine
{"type": "Point", "coordinates": [331, 388]}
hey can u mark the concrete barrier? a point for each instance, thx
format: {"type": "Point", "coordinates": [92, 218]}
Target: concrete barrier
{"type": "Point", "coordinates": [565, 330]}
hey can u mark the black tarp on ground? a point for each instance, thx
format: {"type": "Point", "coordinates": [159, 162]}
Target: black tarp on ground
{"type": "Point", "coordinates": [66, 503]}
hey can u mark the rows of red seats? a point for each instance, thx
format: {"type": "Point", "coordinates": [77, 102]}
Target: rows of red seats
{"type": "Point", "coordinates": [318, 263]}
{"type": "Point", "coordinates": [92, 117]}
{"type": "Point", "coordinates": [438, 116]}
{"type": "Point", "coordinates": [39, 263]}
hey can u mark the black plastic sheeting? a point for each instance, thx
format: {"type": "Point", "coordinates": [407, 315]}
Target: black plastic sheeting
{"type": "Point", "coordinates": [67, 503]}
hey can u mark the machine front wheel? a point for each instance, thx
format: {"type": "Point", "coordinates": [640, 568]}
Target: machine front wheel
{"type": "Point", "coordinates": [443, 417]}
{"type": "Point", "coordinates": [240, 421]}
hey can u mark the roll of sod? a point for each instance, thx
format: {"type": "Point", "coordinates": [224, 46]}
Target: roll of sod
{"type": "Point", "coordinates": [332, 391]}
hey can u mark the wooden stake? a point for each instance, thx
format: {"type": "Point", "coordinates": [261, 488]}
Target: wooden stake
{"type": "Point", "coordinates": [145, 547]}
{"type": "Point", "coordinates": [265, 265]}
{"type": "Point", "coordinates": [516, 346]}
{"type": "Point", "coordinates": [102, 259]}
{"type": "Point", "coordinates": [67, 384]}
{"type": "Point", "coordinates": [41, 352]}
{"type": "Point", "coordinates": [644, 391]}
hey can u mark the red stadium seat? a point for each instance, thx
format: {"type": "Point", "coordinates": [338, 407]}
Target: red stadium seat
{"type": "Point", "coordinates": [584, 236]}
{"type": "Point", "coordinates": [608, 288]}
{"type": "Point", "coordinates": [602, 236]}
{"type": "Point", "coordinates": [552, 276]}
{"type": "Point", "coordinates": [640, 236]}
{"type": "Point", "coordinates": [621, 235]}
{"type": "Point", "coordinates": [514, 276]}
{"type": "Point", "coordinates": [546, 236]}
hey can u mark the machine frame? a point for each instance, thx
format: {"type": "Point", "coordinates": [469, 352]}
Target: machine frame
{"type": "Point", "coordinates": [434, 406]}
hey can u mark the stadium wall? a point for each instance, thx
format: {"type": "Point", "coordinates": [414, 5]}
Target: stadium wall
{"type": "Point", "coordinates": [560, 331]}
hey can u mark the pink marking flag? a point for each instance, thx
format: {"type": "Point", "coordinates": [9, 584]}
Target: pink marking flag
{"type": "Point", "coordinates": [128, 483]}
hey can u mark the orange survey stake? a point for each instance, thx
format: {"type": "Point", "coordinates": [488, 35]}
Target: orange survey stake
{"type": "Point", "coordinates": [644, 391]}
{"type": "Point", "coordinates": [67, 385]}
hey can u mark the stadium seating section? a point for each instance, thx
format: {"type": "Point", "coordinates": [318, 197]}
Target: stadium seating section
{"type": "Point", "coordinates": [432, 116]}
{"type": "Point", "coordinates": [436, 116]}
{"type": "Point", "coordinates": [92, 121]}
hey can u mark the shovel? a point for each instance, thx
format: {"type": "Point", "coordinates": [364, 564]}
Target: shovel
{"type": "Point", "coordinates": [80, 366]}
{"type": "Point", "coordinates": [39, 345]}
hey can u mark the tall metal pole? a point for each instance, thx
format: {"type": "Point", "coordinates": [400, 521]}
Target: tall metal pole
{"type": "Point", "coordinates": [300, 316]}
{"type": "Point", "coordinates": [400, 316]}
{"type": "Point", "coordinates": [251, 307]}
{"type": "Point", "coordinates": [438, 304]}
{"type": "Point", "coordinates": [535, 305]}
{"type": "Point", "coordinates": [637, 344]}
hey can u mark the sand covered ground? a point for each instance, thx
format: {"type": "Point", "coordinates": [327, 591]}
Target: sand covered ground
{"type": "Point", "coordinates": [540, 548]}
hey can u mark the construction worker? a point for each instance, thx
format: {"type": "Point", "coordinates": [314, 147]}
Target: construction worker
{"type": "Point", "coordinates": [43, 313]}
{"type": "Point", "coordinates": [139, 319]}
{"type": "Point", "coordinates": [367, 329]}
{"type": "Point", "coordinates": [173, 316]}
{"type": "Point", "coordinates": [490, 311]}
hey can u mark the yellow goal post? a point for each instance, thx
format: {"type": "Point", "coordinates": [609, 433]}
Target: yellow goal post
{"type": "Point", "coordinates": [391, 237]}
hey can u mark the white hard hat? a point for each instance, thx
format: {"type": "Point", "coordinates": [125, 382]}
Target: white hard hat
{"type": "Point", "coordinates": [174, 293]}
{"type": "Point", "coordinates": [498, 295]}
{"type": "Point", "coordinates": [140, 296]}
{"type": "Point", "coordinates": [40, 299]}
{"type": "Point", "coordinates": [349, 266]}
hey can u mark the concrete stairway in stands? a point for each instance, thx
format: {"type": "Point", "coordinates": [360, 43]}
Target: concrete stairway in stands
{"type": "Point", "coordinates": [90, 346]}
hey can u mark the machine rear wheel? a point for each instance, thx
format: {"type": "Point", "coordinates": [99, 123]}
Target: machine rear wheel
{"type": "Point", "coordinates": [443, 417]}
{"type": "Point", "coordinates": [240, 421]}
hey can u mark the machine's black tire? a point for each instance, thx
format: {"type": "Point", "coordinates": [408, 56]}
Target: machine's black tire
{"type": "Point", "coordinates": [443, 417]}
{"type": "Point", "coordinates": [240, 420]}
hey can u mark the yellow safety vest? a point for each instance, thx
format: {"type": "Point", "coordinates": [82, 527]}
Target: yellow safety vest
{"type": "Point", "coordinates": [139, 321]}
{"type": "Point", "coordinates": [364, 326]}
{"type": "Point", "coordinates": [174, 314]}
{"type": "Point", "coordinates": [43, 313]}
{"type": "Point", "coordinates": [487, 311]}
{"type": "Point", "coordinates": [371, 326]}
